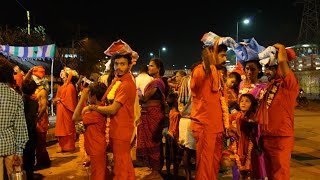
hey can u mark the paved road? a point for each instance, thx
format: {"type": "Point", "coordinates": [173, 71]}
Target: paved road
{"type": "Point", "coordinates": [305, 164]}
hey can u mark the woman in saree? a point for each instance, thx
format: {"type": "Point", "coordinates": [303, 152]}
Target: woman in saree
{"type": "Point", "coordinates": [66, 102]}
{"type": "Point", "coordinates": [149, 134]}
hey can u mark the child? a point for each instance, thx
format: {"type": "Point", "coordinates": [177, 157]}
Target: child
{"type": "Point", "coordinates": [94, 135]}
{"type": "Point", "coordinates": [232, 84]}
{"type": "Point", "coordinates": [243, 131]}
{"type": "Point", "coordinates": [172, 137]}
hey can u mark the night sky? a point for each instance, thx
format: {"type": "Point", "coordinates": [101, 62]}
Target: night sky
{"type": "Point", "coordinates": [177, 25]}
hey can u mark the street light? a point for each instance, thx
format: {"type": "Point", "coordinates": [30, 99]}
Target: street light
{"type": "Point", "coordinates": [161, 49]}
{"type": "Point", "coordinates": [245, 21]}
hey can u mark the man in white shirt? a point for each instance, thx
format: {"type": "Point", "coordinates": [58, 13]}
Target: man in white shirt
{"type": "Point", "coordinates": [143, 79]}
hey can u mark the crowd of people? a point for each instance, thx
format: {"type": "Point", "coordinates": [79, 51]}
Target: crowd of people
{"type": "Point", "coordinates": [219, 118]}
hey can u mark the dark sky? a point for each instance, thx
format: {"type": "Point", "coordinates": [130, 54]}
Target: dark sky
{"type": "Point", "coordinates": [147, 26]}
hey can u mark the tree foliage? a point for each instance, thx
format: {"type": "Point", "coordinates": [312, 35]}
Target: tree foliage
{"type": "Point", "coordinates": [18, 36]}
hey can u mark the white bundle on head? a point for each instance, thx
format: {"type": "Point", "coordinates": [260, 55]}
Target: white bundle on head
{"type": "Point", "coordinates": [209, 38]}
{"type": "Point", "coordinates": [268, 56]}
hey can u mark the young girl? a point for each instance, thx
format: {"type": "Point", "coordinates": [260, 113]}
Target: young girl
{"type": "Point", "coordinates": [243, 132]}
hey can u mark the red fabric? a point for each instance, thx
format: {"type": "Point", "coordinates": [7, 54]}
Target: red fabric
{"type": "Point", "coordinates": [99, 170]}
{"type": "Point", "coordinates": [67, 143]}
{"type": "Point", "coordinates": [123, 167]}
{"type": "Point", "coordinates": [232, 96]}
{"type": "Point", "coordinates": [243, 140]}
{"type": "Point", "coordinates": [42, 154]}
{"type": "Point", "coordinates": [94, 135]}
{"type": "Point", "coordinates": [277, 156]}
{"type": "Point", "coordinates": [239, 69]}
{"type": "Point", "coordinates": [174, 118]}
{"type": "Point", "coordinates": [291, 54]}
{"type": "Point", "coordinates": [38, 71]}
{"type": "Point", "coordinates": [208, 155]}
{"type": "Point", "coordinates": [205, 96]}
{"type": "Point", "coordinates": [149, 136]}
{"type": "Point", "coordinates": [19, 79]}
{"type": "Point", "coordinates": [43, 123]}
{"type": "Point", "coordinates": [65, 126]}
{"type": "Point", "coordinates": [121, 124]}
{"type": "Point", "coordinates": [281, 110]}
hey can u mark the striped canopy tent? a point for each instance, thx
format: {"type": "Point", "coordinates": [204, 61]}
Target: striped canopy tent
{"type": "Point", "coordinates": [29, 56]}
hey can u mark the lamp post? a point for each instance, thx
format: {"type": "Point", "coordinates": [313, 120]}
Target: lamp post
{"type": "Point", "coordinates": [161, 49]}
{"type": "Point", "coordinates": [245, 21]}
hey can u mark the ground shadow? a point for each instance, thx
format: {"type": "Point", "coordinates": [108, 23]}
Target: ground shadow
{"type": "Point", "coordinates": [56, 162]}
{"type": "Point", "coordinates": [303, 157]}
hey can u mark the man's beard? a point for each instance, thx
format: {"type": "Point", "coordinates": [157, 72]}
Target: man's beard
{"type": "Point", "coordinates": [221, 66]}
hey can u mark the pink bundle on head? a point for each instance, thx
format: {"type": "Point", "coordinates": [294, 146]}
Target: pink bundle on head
{"type": "Point", "coordinates": [120, 47]}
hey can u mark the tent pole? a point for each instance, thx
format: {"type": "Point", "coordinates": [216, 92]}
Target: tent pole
{"type": "Point", "coordinates": [51, 84]}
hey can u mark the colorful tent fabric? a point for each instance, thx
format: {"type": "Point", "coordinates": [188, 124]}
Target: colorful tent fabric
{"type": "Point", "coordinates": [31, 52]}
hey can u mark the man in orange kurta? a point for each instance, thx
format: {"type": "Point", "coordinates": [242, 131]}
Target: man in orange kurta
{"type": "Point", "coordinates": [66, 102]}
{"type": "Point", "coordinates": [120, 97]}
{"type": "Point", "coordinates": [206, 111]}
{"type": "Point", "coordinates": [278, 134]}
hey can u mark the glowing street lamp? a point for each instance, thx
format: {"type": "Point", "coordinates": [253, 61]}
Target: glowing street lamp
{"type": "Point", "coordinates": [245, 21]}
{"type": "Point", "coordinates": [163, 49]}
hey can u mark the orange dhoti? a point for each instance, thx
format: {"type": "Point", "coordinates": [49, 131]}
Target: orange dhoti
{"type": "Point", "coordinates": [208, 154]}
{"type": "Point", "coordinates": [277, 156]}
{"type": "Point", "coordinates": [123, 167]}
{"type": "Point", "coordinates": [67, 143]}
{"type": "Point", "coordinates": [99, 170]}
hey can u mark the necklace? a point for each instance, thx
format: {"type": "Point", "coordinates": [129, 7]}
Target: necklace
{"type": "Point", "coordinates": [112, 92]}
{"type": "Point", "coordinates": [225, 112]}
{"type": "Point", "coordinates": [235, 156]}
{"type": "Point", "coordinates": [110, 96]}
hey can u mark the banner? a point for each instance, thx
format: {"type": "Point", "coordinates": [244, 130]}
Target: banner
{"type": "Point", "coordinates": [30, 52]}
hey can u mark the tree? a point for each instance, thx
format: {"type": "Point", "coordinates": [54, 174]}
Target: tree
{"type": "Point", "coordinates": [18, 36]}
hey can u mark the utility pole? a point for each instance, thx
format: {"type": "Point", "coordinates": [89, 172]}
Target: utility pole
{"type": "Point", "coordinates": [28, 18]}
{"type": "Point", "coordinates": [309, 28]}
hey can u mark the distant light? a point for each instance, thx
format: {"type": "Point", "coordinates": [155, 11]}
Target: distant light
{"type": "Point", "coordinates": [246, 21]}
{"type": "Point", "coordinates": [164, 49]}
{"type": "Point", "coordinates": [173, 65]}
{"type": "Point", "coordinates": [305, 45]}
{"type": "Point", "coordinates": [185, 66]}
{"type": "Point", "coordinates": [70, 55]}
{"type": "Point", "coordinates": [151, 54]}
